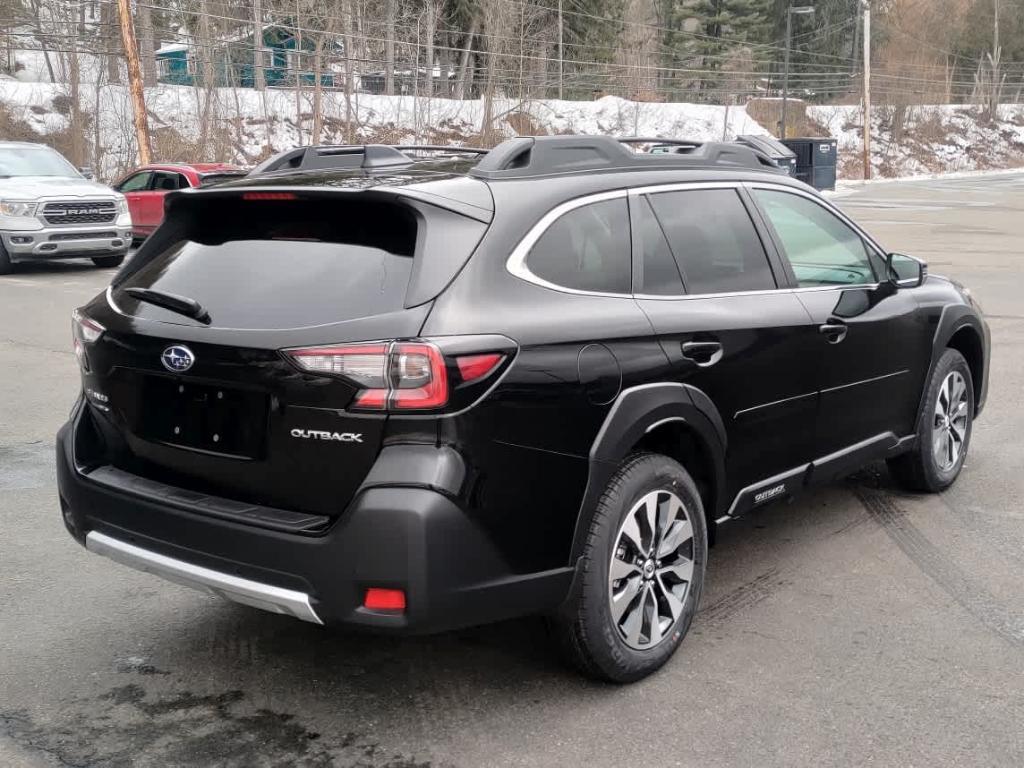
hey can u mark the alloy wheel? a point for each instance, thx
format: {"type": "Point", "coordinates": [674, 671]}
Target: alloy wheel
{"type": "Point", "coordinates": [651, 569]}
{"type": "Point", "coordinates": [949, 428]}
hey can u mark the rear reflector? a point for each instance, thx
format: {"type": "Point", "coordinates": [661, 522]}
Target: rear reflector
{"type": "Point", "coordinates": [384, 599]}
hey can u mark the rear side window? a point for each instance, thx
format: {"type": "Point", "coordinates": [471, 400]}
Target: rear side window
{"type": "Point", "coordinates": [713, 240]}
{"type": "Point", "coordinates": [279, 264]}
{"type": "Point", "coordinates": [821, 248]}
{"type": "Point", "coordinates": [586, 249]}
{"type": "Point", "coordinates": [660, 273]}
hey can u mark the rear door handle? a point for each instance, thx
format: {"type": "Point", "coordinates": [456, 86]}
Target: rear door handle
{"type": "Point", "coordinates": [703, 353]}
{"type": "Point", "coordinates": [834, 331]}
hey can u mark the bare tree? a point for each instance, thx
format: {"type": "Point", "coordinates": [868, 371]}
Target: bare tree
{"type": "Point", "coordinates": [147, 41]}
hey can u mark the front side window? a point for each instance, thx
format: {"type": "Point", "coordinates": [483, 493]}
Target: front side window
{"type": "Point", "coordinates": [822, 249]}
{"type": "Point", "coordinates": [136, 183]}
{"type": "Point", "coordinates": [713, 240]}
{"type": "Point", "coordinates": [586, 249]}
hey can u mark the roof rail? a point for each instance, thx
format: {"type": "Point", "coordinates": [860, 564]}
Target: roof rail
{"type": "Point", "coordinates": [528, 156]}
{"type": "Point", "coordinates": [367, 156]}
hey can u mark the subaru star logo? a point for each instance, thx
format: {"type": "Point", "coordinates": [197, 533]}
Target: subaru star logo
{"type": "Point", "coordinates": [177, 358]}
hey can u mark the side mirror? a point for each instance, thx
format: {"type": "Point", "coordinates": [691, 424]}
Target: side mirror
{"type": "Point", "coordinates": [86, 171]}
{"type": "Point", "coordinates": [905, 271]}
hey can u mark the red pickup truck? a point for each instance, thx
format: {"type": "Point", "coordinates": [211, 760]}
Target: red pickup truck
{"type": "Point", "coordinates": [146, 186]}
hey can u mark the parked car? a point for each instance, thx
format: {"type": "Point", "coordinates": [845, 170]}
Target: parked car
{"type": "Point", "coordinates": [427, 393]}
{"type": "Point", "coordinates": [145, 188]}
{"type": "Point", "coordinates": [49, 210]}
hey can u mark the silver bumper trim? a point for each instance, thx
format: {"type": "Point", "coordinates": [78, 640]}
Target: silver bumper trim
{"type": "Point", "coordinates": [235, 588]}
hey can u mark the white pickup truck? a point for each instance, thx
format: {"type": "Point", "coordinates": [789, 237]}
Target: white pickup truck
{"type": "Point", "coordinates": [48, 210]}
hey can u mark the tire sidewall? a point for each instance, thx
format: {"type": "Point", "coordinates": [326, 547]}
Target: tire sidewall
{"type": "Point", "coordinates": [6, 265]}
{"type": "Point", "coordinates": [613, 656]}
{"type": "Point", "coordinates": [937, 477]}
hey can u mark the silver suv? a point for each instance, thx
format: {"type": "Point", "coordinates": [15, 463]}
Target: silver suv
{"type": "Point", "coordinates": [48, 210]}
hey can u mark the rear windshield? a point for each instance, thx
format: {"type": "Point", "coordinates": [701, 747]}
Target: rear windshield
{"type": "Point", "coordinates": [210, 179]}
{"type": "Point", "coordinates": [278, 264]}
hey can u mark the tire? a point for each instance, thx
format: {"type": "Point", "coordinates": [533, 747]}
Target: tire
{"type": "Point", "coordinates": [106, 262]}
{"type": "Point", "coordinates": [6, 265]}
{"type": "Point", "coordinates": [601, 636]}
{"type": "Point", "coordinates": [933, 465]}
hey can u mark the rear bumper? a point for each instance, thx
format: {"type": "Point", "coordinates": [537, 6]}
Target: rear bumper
{"type": "Point", "coordinates": [67, 242]}
{"type": "Point", "coordinates": [391, 536]}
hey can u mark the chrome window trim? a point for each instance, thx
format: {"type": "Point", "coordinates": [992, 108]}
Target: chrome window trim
{"type": "Point", "coordinates": [516, 262]}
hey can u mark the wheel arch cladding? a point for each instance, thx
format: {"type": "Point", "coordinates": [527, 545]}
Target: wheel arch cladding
{"type": "Point", "coordinates": [671, 418]}
{"type": "Point", "coordinates": [960, 328]}
{"type": "Point", "coordinates": [967, 342]}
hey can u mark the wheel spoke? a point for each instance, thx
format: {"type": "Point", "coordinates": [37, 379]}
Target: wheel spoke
{"type": "Point", "coordinates": [682, 570]}
{"type": "Point", "coordinates": [634, 623]}
{"type": "Point", "coordinates": [680, 533]}
{"type": "Point", "coordinates": [959, 389]}
{"type": "Point", "coordinates": [654, 633]}
{"type": "Point", "coordinates": [626, 597]}
{"type": "Point", "coordinates": [651, 515]}
{"type": "Point", "coordinates": [622, 569]}
{"type": "Point", "coordinates": [939, 446]}
{"type": "Point", "coordinates": [943, 405]}
{"type": "Point", "coordinates": [631, 532]}
{"type": "Point", "coordinates": [675, 605]}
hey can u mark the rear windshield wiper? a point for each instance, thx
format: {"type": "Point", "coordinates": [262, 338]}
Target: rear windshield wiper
{"type": "Point", "coordinates": [180, 304]}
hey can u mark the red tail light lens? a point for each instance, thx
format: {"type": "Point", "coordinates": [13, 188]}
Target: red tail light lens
{"type": "Point", "coordinates": [473, 367]}
{"type": "Point", "coordinates": [403, 375]}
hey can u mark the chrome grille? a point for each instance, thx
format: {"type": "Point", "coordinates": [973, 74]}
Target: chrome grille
{"type": "Point", "coordinates": [85, 212]}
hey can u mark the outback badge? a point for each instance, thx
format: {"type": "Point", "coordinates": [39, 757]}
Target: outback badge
{"type": "Point", "coordinates": [177, 358]}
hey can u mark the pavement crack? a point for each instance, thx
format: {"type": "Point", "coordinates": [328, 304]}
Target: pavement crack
{"type": "Point", "coordinates": [937, 565]}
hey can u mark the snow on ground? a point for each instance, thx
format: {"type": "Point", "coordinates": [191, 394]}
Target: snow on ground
{"type": "Point", "coordinates": [928, 139]}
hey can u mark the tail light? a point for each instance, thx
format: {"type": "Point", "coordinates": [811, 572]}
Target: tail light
{"type": "Point", "coordinates": [84, 331]}
{"type": "Point", "coordinates": [396, 375]}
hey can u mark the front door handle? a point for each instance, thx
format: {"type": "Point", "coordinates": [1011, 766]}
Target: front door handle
{"type": "Point", "coordinates": [834, 331]}
{"type": "Point", "coordinates": [703, 353]}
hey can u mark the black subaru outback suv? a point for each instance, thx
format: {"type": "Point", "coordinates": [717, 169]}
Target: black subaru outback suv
{"type": "Point", "coordinates": [420, 392]}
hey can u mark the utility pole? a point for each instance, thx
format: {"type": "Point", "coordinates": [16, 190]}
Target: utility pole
{"type": "Point", "coordinates": [867, 90]}
{"type": "Point", "coordinates": [790, 12]}
{"type": "Point", "coordinates": [561, 59]}
{"type": "Point", "coordinates": [131, 52]}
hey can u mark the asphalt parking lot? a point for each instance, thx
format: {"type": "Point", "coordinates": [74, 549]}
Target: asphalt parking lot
{"type": "Point", "coordinates": [855, 626]}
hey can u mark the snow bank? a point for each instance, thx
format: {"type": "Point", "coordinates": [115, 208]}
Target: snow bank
{"type": "Point", "coordinates": [268, 119]}
{"type": "Point", "coordinates": [927, 139]}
